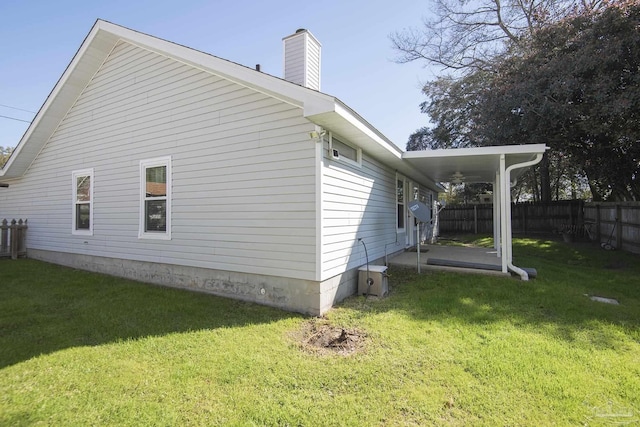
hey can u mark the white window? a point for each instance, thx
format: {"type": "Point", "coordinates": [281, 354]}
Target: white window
{"type": "Point", "coordinates": [82, 210]}
{"type": "Point", "coordinates": [400, 202]}
{"type": "Point", "coordinates": [340, 150]}
{"type": "Point", "coordinates": [155, 199]}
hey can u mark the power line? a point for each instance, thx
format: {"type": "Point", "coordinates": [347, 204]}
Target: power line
{"type": "Point", "coordinates": [13, 118]}
{"type": "Point", "coordinates": [16, 108]}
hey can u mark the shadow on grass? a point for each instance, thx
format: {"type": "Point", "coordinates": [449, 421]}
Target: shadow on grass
{"type": "Point", "coordinates": [45, 308]}
{"type": "Point", "coordinates": [557, 301]}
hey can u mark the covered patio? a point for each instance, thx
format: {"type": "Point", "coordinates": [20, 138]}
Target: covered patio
{"type": "Point", "coordinates": [499, 165]}
{"type": "Point", "coordinates": [451, 258]}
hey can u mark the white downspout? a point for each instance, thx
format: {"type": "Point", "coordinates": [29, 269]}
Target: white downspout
{"type": "Point", "coordinates": [507, 247]}
{"type": "Point", "coordinates": [496, 215]}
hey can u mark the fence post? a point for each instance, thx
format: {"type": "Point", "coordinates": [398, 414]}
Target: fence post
{"type": "Point", "coordinates": [618, 227]}
{"type": "Point", "coordinates": [571, 219]}
{"type": "Point", "coordinates": [22, 243]}
{"type": "Point", "coordinates": [14, 240]}
{"type": "Point", "coordinates": [580, 212]}
{"type": "Point", "coordinates": [598, 235]}
{"type": "Point", "coordinates": [4, 237]}
{"type": "Point", "coordinates": [475, 219]}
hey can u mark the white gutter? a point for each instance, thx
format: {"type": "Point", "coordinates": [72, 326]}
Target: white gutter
{"type": "Point", "coordinates": [506, 213]}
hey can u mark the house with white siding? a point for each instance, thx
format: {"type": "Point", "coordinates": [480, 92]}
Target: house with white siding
{"type": "Point", "coordinates": [156, 162]}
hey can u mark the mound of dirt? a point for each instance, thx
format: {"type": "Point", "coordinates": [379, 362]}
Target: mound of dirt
{"type": "Point", "coordinates": [319, 336]}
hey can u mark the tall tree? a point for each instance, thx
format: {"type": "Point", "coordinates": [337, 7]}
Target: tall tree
{"type": "Point", "coordinates": [465, 37]}
{"type": "Point", "coordinates": [451, 105]}
{"type": "Point", "coordinates": [576, 87]}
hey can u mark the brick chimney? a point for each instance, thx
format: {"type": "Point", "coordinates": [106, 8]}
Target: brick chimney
{"type": "Point", "coordinates": [302, 59]}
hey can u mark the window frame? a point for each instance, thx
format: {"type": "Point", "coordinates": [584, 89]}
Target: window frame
{"type": "Point", "coordinates": [144, 165]}
{"type": "Point", "coordinates": [74, 204]}
{"type": "Point", "coordinates": [358, 150]}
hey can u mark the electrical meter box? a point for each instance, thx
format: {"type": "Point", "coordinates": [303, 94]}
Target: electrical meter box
{"type": "Point", "coordinates": [378, 284]}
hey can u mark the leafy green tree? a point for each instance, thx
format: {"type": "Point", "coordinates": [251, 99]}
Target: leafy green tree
{"type": "Point", "coordinates": [451, 105]}
{"type": "Point", "coordinates": [557, 73]}
{"type": "Point", "coordinates": [576, 87]}
{"type": "Point", "coordinates": [465, 38]}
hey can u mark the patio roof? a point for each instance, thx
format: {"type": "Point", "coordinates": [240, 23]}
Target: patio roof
{"type": "Point", "coordinates": [500, 165]}
{"type": "Point", "coordinates": [477, 164]}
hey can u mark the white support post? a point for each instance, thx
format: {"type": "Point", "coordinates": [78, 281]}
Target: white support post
{"type": "Point", "coordinates": [496, 215]}
{"type": "Point", "coordinates": [504, 221]}
{"type": "Point", "coordinates": [418, 243]}
{"type": "Point", "coordinates": [497, 244]}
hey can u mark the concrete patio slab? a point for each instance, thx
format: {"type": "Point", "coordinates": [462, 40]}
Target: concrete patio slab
{"type": "Point", "coordinates": [487, 258]}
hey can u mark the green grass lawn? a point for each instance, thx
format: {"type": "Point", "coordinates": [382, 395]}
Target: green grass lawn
{"type": "Point", "coordinates": [81, 349]}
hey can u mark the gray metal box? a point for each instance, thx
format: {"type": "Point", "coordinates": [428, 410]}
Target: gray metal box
{"type": "Point", "coordinates": [380, 285]}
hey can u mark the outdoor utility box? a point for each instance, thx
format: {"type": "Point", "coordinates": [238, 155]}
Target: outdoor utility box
{"type": "Point", "coordinates": [378, 274]}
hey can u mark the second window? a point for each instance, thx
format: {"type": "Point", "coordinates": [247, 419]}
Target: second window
{"type": "Point", "coordinates": [155, 198]}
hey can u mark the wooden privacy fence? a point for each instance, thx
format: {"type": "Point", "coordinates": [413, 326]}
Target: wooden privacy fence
{"type": "Point", "coordinates": [615, 223]}
{"type": "Point", "coordinates": [526, 218]}
{"type": "Point", "coordinates": [13, 238]}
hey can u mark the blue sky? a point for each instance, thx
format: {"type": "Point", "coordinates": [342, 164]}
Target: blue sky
{"type": "Point", "coordinates": [39, 38]}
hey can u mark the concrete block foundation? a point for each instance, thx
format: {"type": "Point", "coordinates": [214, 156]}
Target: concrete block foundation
{"type": "Point", "coordinates": [303, 296]}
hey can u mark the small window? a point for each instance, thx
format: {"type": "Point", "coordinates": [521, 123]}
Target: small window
{"type": "Point", "coordinates": [400, 203]}
{"type": "Point", "coordinates": [155, 198]}
{"type": "Point", "coordinates": [343, 151]}
{"type": "Point", "coordinates": [82, 209]}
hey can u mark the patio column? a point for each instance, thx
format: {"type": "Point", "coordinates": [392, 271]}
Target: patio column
{"type": "Point", "coordinates": [504, 199]}
{"type": "Point", "coordinates": [496, 215]}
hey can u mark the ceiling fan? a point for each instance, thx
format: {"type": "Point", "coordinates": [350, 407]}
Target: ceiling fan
{"type": "Point", "coordinates": [459, 178]}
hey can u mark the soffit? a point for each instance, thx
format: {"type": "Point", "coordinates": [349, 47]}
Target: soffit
{"type": "Point", "coordinates": [478, 164]}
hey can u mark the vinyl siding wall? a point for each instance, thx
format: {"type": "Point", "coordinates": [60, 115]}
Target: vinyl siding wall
{"type": "Point", "coordinates": [294, 61]}
{"type": "Point", "coordinates": [313, 66]}
{"type": "Point", "coordinates": [242, 162]}
{"type": "Point", "coordinates": [358, 202]}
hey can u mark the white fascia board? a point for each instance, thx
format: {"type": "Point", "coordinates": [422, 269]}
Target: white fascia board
{"type": "Point", "coordinates": [95, 49]}
{"type": "Point", "coordinates": [337, 117]}
{"type": "Point", "coordinates": [524, 149]}
{"type": "Point", "coordinates": [312, 101]}
{"type": "Point", "coordinates": [242, 75]}
{"type": "Point", "coordinates": [349, 124]}
{"type": "Point", "coordinates": [481, 161]}
{"type": "Point", "coordinates": [383, 146]}
{"type": "Point", "coordinates": [363, 126]}
{"type": "Point", "coordinates": [62, 97]}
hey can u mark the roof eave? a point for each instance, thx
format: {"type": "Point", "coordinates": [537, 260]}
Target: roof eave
{"type": "Point", "coordinates": [320, 108]}
{"type": "Point", "coordinates": [342, 120]}
{"type": "Point", "coordinates": [93, 52]}
{"type": "Point", "coordinates": [481, 162]}
{"type": "Point", "coordinates": [83, 66]}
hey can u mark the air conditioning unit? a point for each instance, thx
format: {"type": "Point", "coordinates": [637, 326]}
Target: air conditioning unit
{"type": "Point", "coordinates": [373, 282]}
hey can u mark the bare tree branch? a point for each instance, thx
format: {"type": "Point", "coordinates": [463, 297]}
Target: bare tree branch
{"type": "Point", "coordinates": [467, 35]}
